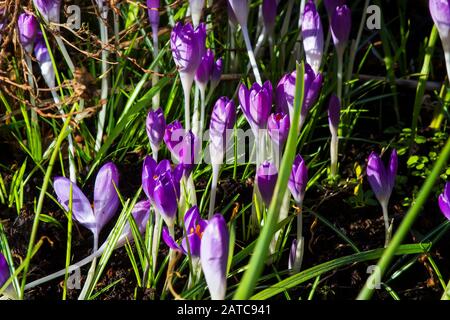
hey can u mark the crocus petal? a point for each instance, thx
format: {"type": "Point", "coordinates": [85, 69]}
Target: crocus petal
{"type": "Point", "coordinates": [153, 14]}
{"type": "Point", "coordinates": [214, 256]}
{"type": "Point", "coordinates": [148, 171]}
{"type": "Point", "coordinates": [278, 127]}
{"type": "Point", "coordinates": [221, 125]}
{"type": "Point", "coordinates": [444, 201]}
{"type": "Point", "coordinates": [292, 254]}
{"type": "Point", "coordinates": [392, 169]}
{"type": "Point", "coordinates": [140, 213]}
{"type": "Point", "coordinates": [106, 200]}
{"type": "Point", "coordinates": [334, 109]}
{"type": "Point", "coordinates": [440, 12]}
{"type": "Point", "coordinates": [240, 10]}
{"type": "Point", "coordinates": [28, 27]}
{"type": "Point", "coordinates": [269, 10]}
{"type": "Point", "coordinates": [45, 63]}
{"type": "Point", "coordinates": [49, 9]}
{"type": "Point", "coordinates": [165, 197]}
{"type": "Point", "coordinates": [169, 240]}
{"type": "Point", "coordinates": [173, 137]}
{"type": "Point", "coordinates": [341, 22]}
{"type": "Point", "coordinates": [4, 270]}
{"type": "Point", "coordinates": [188, 46]}
{"type": "Point", "coordinates": [205, 68]}
{"type": "Point", "coordinates": [196, 10]}
{"type": "Point", "coordinates": [382, 179]}
{"type": "Point", "coordinates": [312, 33]}
{"type": "Point", "coordinates": [81, 208]}
{"type": "Point", "coordinates": [191, 218]}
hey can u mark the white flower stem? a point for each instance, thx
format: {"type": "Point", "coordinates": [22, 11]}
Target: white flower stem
{"type": "Point", "coordinates": [156, 239]}
{"type": "Point", "coordinates": [154, 152]}
{"type": "Point", "coordinates": [340, 55]}
{"type": "Point", "coordinates": [334, 153]}
{"type": "Point", "coordinates": [212, 199]}
{"type": "Point", "coordinates": [251, 55]}
{"type": "Point", "coordinates": [196, 112]}
{"type": "Point", "coordinates": [186, 81]}
{"type": "Point", "coordinates": [387, 226]}
{"type": "Point", "coordinates": [104, 92]}
{"type": "Point", "coordinates": [300, 241]}
{"type": "Point", "coordinates": [202, 110]}
{"type": "Point", "coordinates": [91, 271]}
{"type": "Point", "coordinates": [72, 170]}
{"type": "Point", "coordinates": [155, 77]}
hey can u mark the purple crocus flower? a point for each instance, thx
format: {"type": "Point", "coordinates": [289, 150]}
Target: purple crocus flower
{"type": "Point", "coordinates": [153, 13]}
{"type": "Point", "coordinates": [240, 10]}
{"type": "Point", "coordinates": [106, 200]}
{"type": "Point", "coordinates": [222, 122]}
{"type": "Point", "coordinates": [298, 179]}
{"type": "Point", "coordinates": [256, 104]}
{"type": "Point", "coordinates": [156, 126]}
{"type": "Point", "coordinates": [194, 228]}
{"type": "Point", "coordinates": [312, 33]}
{"type": "Point", "coordinates": [381, 178]}
{"type": "Point", "coordinates": [214, 256]}
{"type": "Point", "coordinates": [4, 270]}
{"type": "Point", "coordinates": [285, 92]}
{"type": "Point", "coordinates": [341, 22]}
{"type": "Point", "coordinates": [205, 68]}
{"type": "Point", "coordinates": [269, 11]}
{"type": "Point", "coordinates": [278, 127]}
{"type": "Point", "coordinates": [45, 63]}
{"type": "Point", "coordinates": [196, 10]}
{"type": "Point", "coordinates": [150, 169]}
{"type": "Point", "coordinates": [188, 46]}
{"type": "Point", "coordinates": [444, 201]}
{"type": "Point", "coordinates": [49, 9]}
{"type": "Point", "coordinates": [266, 179]}
{"type": "Point", "coordinates": [28, 27]}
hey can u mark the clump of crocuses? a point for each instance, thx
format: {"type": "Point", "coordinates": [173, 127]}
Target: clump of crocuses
{"type": "Point", "coordinates": [382, 181]}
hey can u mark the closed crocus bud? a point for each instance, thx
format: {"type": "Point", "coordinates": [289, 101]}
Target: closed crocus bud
{"type": "Point", "coordinates": [381, 178]}
{"type": "Point", "coordinates": [269, 11]}
{"type": "Point", "coordinates": [148, 170]}
{"type": "Point", "coordinates": [45, 63]}
{"type": "Point", "coordinates": [4, 270]}
{"type": "Point", "coordinates": [216, 73]}
{"type": "Point", "coordinates": [156, 126]}
{"type": "Point", "coordinates": [330, 5]}
{"type": "Point", "coordinates": [266, 179]}
{"type": "Point", "coordinates": [205, 68]}
{"type": "Point", "coordinates": [256, 104]}
{"type": "Point", "coordinates": [188, 46]}
{"type": "Point", "coordinates": [222, 122]}
{"type": "Point", "coordinates": [106, 200]}
{"type": "Point", "coordinates": [189, 153]}
{"type": "Point", "coordinates": [214, 256]}
{"type": "Point", "coordinates": [298, 179]}
{"type": "Point", "coordinates": [196, 10]}
{"type": "Point", "coordinates": [173, 136]}
{"type": "Point", "coordinates": [334, 111]}
{"type": "Point", "coordinates": [240, 10]}
{"type": "Point", "coordinates": [278, 127]}
{"type": "Point", "coordinates": [49, 9]}
{"type": "Point", "coordinates": [28, 27]}
{"type": "Point", "coordinates": [153, 13]}
{"type": "Point", "coordinates": [341, 22]}
{"type": "Point", "coordinates": [312, 33]}
{"type": "Point", "coordinates": [444, 201]}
